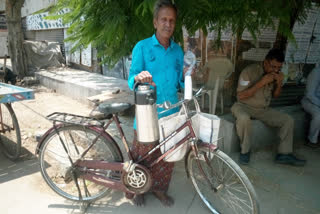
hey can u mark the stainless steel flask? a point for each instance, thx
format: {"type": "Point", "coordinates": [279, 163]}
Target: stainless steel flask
{"type": "Point", "coordinates": [146, 114]}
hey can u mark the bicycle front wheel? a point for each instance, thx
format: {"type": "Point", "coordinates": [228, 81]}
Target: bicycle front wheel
{"type": "Point", "coordinates": [56, 166]}
{"type": "Point", "coordinates": [221, 183]}
{"type": "Point", "coordinates": [10, 139]}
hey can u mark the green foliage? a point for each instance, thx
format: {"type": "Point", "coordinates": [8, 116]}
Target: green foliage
{"type": "Point", "coordinates": [115, 26]}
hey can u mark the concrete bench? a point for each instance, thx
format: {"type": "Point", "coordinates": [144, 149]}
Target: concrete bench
{"type": "Point", "coordinates": [82, 84]}
{"type": "Point", "coordinates": [262, 135]}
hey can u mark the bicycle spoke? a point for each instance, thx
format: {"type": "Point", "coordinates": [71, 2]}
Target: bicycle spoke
{"type": "Point", "coordinates": [232, 176]}
{"type": "Point", "coordinates": [213, 172]}
{"type": "Point", "coordinates": [243, 192]}
{"type": "Point", "coordinates": [74, 144]}
{"type": "Point", "coordinates": [85, 188]}
{"type": "Point", "coordinates": [233, 196]}
{"type": "Point", "coordinates": [235, 206]}
{"type": "Point", "coordinates": [65, 143]}
{"type": "Point", "coordinates": [54, 155]}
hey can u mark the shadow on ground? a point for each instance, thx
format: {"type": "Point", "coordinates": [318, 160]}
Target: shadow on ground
{"type": "Point", "coordinates": [26, 164]}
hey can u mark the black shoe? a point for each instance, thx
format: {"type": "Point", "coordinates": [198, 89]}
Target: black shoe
{"type": "Point", "coordinates": [289, 159]}
{"type": "Point", "coordinates": [312, 145]}
{"type": "Point", "coordinates": [244, 159]}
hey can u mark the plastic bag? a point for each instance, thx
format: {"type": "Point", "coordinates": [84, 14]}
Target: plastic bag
{"type": "Point", "coordinates": [206, 127]}
{"type": "Point", "coordinates": [168, 125]}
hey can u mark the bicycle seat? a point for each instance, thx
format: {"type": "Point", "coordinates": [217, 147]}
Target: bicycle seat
{"type": "Point", "coordinates": [112, 108]}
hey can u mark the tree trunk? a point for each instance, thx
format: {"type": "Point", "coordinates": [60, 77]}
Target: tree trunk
{"type": "Point", "coordinates": [281, 40]}
{"type": "Point", "coordinates": [203, 48]}
{"type": "Point", "coordinates": [15, 37]}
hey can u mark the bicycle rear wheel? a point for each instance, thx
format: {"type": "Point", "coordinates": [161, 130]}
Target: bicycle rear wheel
{"type": "Point", "coordinates": [55, 164]}
{"type": "Point", "coordinates": [10, 139]}
{"type": "Point", "coordinates": [221, 183]}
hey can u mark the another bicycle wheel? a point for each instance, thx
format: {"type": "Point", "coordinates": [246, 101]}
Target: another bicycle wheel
{"type": "Point", "coordinates": [55, 164]}
{"type": "Point", "coordinates": [10, 139]}
{"type": "Point", "coordinates": [221, 183]}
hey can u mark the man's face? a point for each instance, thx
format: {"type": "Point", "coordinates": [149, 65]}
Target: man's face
{"type": "Point", "coordinates": [165, 22]}
{"type": "Point", "coordinates": [272, 66]}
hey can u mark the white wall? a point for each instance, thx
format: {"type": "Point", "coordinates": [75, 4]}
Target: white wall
{"type": "Point", "coordinates": [2, 5]}
{"type": "Point", "coordinates": [3, 44]}
{"type": "Point", "coordinates": [31, 6]}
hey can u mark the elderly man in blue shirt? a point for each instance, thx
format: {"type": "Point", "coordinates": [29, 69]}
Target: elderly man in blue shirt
{"type": "Point", "coordinates": [158, 60]}
{"type": "Point", "coordinates": [311, 104]}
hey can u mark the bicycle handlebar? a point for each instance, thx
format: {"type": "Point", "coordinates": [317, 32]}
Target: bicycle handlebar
{"type": "Point", "coordinates": [167, 105]}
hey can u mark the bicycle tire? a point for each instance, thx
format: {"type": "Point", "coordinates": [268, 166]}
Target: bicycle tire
{"type": "Point", "coordinates": [10, 138]}
{"type": "Point", "coordinates": [229, 189]}
{"type": "Point", "coordinates": [54, 162]}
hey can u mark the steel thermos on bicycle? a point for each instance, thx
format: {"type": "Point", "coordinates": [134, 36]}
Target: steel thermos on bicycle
{"type": "Point", "coordinates": [145, 99]}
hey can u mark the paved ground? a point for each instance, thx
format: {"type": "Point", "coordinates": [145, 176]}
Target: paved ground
{"type": "Point", "coordinates": [281, 189]}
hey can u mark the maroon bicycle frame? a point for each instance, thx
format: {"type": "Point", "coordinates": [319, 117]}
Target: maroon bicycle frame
{"type": "Point", "coordinates": [87, 166]}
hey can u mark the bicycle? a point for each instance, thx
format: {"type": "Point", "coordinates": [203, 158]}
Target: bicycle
{"type": "Point", "coordinates": [80, 161]}
{"type": "Point", "coordinates": [10, 138]}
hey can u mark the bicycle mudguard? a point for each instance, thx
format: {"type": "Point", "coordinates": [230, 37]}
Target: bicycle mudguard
{"type": "Point", "coordinates": [94, 128]}
{"type": "Point", "coordinates": [107, 136]}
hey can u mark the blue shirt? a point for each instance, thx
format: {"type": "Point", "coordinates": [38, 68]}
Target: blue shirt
{"type": "Point", "coordinates": [165, 66]}
{"type": "Point", "coordinates": [313, 86]}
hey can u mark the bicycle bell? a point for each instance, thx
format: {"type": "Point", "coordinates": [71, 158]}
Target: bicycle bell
{"type": "Point", "coordinates": [145, 99]}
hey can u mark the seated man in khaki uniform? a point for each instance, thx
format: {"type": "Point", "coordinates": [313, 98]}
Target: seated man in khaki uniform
{"type": "Point", "coordinates": [257, 84]}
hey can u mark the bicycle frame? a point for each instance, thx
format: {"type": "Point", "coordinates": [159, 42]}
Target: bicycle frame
{"type": "Point", "coordinates": [85, 168]}
{"type": "Point", "coordinates": [89, 165]}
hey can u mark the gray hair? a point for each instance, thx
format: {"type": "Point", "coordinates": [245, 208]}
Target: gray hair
{"type": "Point", "coordinates": [161, 4]}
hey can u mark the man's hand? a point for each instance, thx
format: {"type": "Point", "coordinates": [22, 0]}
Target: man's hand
{"type": "Point", "coordinates": [249, 92]}
{"type": "Point", "coordinates": [268, 78]}
{"type": "Point", "coordinates": [185, 69]}
{"type": "Point", "coordinates": [279, 78]}
{"type": "Point", "coordinates": [143, 77]}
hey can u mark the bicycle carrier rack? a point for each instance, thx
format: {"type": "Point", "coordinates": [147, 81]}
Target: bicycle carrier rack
{"type": "Point", "coordinates": [73, 119]}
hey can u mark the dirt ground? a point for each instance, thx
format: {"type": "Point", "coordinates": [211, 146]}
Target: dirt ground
{"type": "Point", "coordinates": [281, 189]}
{"type": "Point", "coordinates": [31, 117]}
{"type": "Point", "coordinates": [31, 114]}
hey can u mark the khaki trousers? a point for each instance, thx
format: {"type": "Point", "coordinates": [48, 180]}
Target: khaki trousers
{"type": "Point", "coordinates": [270, 117]}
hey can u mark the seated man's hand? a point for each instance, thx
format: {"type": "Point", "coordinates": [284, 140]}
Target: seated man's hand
{"type": "Point", "coordinates": [278, 77]}
{"type": "Point", "coordinates": [268, 78]}
{"type": "Point", "coordinates": [144, 77]}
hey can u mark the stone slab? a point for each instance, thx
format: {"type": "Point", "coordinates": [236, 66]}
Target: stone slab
{"type": "Point", "coordinates": [81, 84]}
{"type": "Point", "coordinates": [262, 134]}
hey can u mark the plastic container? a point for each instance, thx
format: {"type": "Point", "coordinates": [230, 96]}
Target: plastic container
{"type": "Point", "coordinates": [189, 63]}
{"type": "Point", "coordinates": [187, 87]}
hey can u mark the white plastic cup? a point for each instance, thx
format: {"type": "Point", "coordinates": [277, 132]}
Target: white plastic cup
{"type": "Point", "coordinates": [187, 87]}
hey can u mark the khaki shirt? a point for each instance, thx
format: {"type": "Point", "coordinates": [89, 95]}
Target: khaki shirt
{"type": "Point", "coordinates": [250, 76]}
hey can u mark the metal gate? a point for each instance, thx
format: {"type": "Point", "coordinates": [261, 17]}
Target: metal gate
{"type": "Point", "coordinates": [55, 35]}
